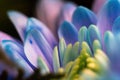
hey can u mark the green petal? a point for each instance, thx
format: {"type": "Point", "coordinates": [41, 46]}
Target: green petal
{"type": "Point", "coordinates": [62, 47]}
{"type": "Point", "coordinates": [67, 55]}
{"type": "Point", "coordinates": [43, 66]}
{"type": "Point", "coordinates": [75, 50]}
{"type": "Point", "coordinates": [56, 62]}
{"type": "Point", "coordinates": [96, 45]}
{"type": "Point", "coordinates": [86, 47]}
{"type": "Point", "coordinates": [82, 34]}
{"type": "Point", "coordinates": [93, 34]}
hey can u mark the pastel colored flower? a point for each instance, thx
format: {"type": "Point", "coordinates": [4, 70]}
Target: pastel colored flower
{"type": "Point", "coordinates": [89, 34]}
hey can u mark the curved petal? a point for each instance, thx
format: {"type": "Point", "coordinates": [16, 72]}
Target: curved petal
{"type": "Point", "coordinates": [36, 44]}
{"type": "Point", "coordinates": [68, 32]}
{"type": "Point", "coordinates": [83, 17]}
{"type": "Point", "coordinates": [32, 50]}
{"type": "Point", "coordinates": [34, 23]}
{"type": "Point", "coordinates": [20, 21]}
{"type": "Point", "coordinates": [16, 53]}
{"type": "Point", "coordinates": [93, 34]}
{"type": "Point", "coordinates": [107, 15]}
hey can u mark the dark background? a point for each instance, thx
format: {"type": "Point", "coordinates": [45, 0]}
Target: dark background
{"type": "Point", "coordinates": [27, 7]}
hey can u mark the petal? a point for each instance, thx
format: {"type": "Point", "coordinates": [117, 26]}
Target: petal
{"type": "Point", "coordinates": [4, 36]}
{"type": "Point", "coordinates": [116, 27]}
{"type": "Point", "coordinates": [82, 34]}
{"type": "Point", "coordinates": [19, 20]}
{"type": "Point", "coordinates": [68, 32]}
{"type": "Point", "coordinates": [32, 51]}
{"type": "Point", "coordinates": [107, 15]}
{"type": "Point", "coordinates": [98, 5]}
{"type": "Point", "coordinates": [56, 62]}
{"type": "Point", "coordinates": [112, 49]}
{"type": "Point", "coordinates": [83, 17]}
{"type": "Point", "coordinates": [38, 43]}
{"type": "Point", "coordinates": [67, 55]}
{"type": "Point", "coordinates": [87, 48]}
{"type": "Point", "coordinates": [48, 11]}
{"type": "Point", "coordinates": [15, 52]}
{"type": "Point", "coordinates": [62, 47]}
{"type": "Point", "coordinates": [34, 23]}
{"type": "Point", "coordinates": [43, 66]}
{"type": "Point", "coordinates": [96, 46]}
{"type": "Point", "coordinates": [66, 12]}
{"type": "Point", "coordinates": [93, 34]}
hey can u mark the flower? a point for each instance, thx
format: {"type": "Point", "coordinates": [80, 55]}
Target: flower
{"type": "Point", "coordinates": [37, 48]}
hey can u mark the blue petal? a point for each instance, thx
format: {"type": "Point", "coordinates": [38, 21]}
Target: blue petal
{"type": "Point", "coordinates": [20, 21]}
{"type": "Point", "coordinates": [116, 27]}
{"type": "Point", "coordinates": [34, 23]}
{"type": "Point", "coordinates": [16, 53]}
{"type": "Point", "coordinates": [107, 15]}
{"type": "Point", "coordinates": [39, 45]}
{"type": "Point", "coordinates": [68, 32]}
{"type": "Point", "coordinates": [83, 17]}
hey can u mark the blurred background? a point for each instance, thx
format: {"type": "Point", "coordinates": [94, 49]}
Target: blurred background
{"type": "Point", "coordinates": [28, 8]}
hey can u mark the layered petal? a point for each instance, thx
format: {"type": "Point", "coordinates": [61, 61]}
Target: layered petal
{"type": "Point", "coordinates": [37, 45]}
{"type": "Point", "coordinates": [34, 23]}
{"type": "Point", "coordinates": [83, 17]}
{"type": "Point", "coordinates": [15, 53]}
{"type": "Point", "coordinates": [108, 14]}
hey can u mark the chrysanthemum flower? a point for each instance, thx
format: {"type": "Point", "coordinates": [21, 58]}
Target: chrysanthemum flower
{"type": "Point", "coordinates": [84, 60]}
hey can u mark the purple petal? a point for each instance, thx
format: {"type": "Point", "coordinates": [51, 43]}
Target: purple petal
{"type": "Point", "coordinates": [36, 44]}
{"type": "Point", "coordinates": [83, 17]}
{"type": "Point", "coordinates": [19, 20]}
{"type": "Point", "coordinates": [68, 32]}
{"type": "Point", "coordinates": [4, 36]}
{"type": "Point", "coordinates": [98, 5]}
{"type": "Point", "coordinates": [107, 15]}
{"type": "Point", "coordinates": [47, 11]}
{"type": "Point", "coordinates": [32, 51]}
{"type": "Point", "coordinates": [34, 23]}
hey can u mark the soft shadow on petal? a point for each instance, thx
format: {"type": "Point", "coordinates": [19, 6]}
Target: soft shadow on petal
{"type": "Point", "coordinates": [107, 15]}
{"type": "Point", "coordinates": [34, 23]}
{"type": "Point", "coordinates": [19, 20]}
{"type": "Point", "coordinates": [83, 17]}
{"type": "Point", "coordinates": [68, 32]}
